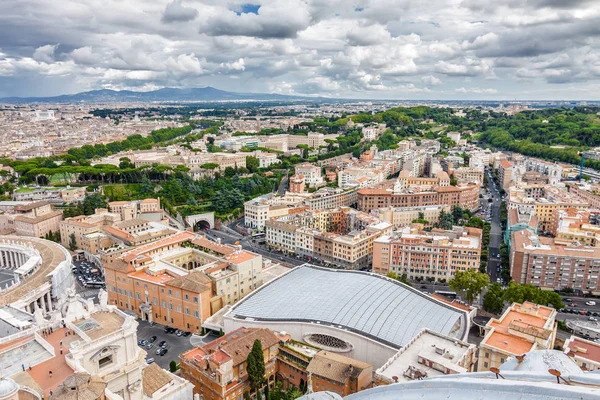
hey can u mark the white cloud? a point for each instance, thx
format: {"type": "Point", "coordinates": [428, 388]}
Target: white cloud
{"type": "Point", "coordinates": [369, 48]}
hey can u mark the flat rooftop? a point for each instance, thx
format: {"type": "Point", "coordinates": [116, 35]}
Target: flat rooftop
{"type": "Point", "coordinates": [100, 324]}
{"type": "Point", "coordinates": [368, 304]}
{"type": "Point", "coordinates": [426, 346]}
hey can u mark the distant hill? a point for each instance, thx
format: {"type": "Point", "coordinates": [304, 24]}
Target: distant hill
{"type": "Point", "coordinates": [166, 94]}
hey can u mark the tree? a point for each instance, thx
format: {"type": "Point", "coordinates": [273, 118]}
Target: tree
{"type": "Point", "coordinates": [516, 293]}
{"type": "Point", "coordinates": [446, 220]}
{"type": "Point", "coordinates": [252, 163]}
{"type": "Point", "coordinates": [404, 279]}
{"type": "Point", "coordinates": [255, 366]}
{"type": "Point", "coordinates": [266, 392]}
{"type": "Point", "coordinates": [173, 366]}
{"type": "Point", "coordinates": [72, 242]}
{"type": "Point", "coordinates": [493, 300]}
{"type": "Point", "coordinates": [469, 283]}
{"type": "Point", "coordinates": [92, 202]}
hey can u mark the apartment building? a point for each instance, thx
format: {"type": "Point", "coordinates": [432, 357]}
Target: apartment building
{"type": "Point", "coordinates": [585, 353]}
{"type": "Point", "coordinates": [311, 173]}
{"type": "Point", "coordinates": [406, 180]}
{"type": "Point", "coordinates": [419, 254]}
{"type": "Point", "coordinates": [343, 237]}
{"type": "Point", "coordinates": [576, 226]}
{"type": "Point", "coordinates": [466, 196]}
{"type": "Point", "coordinates": [400, 217]}
{"type": "Point", "coordinates": [521, 329]}
{"type": "Point", "coordinates": [218, 370]}
{"type": "Point", "coordinates": [360, 177]}
{"type": "Point", "coordinates": [144, 209]}
{"type": "Point", "coordinates": [329, 198]}
{"type": "Point", "coordinates": [469, 173]}
{"type": "Point", "coordinates": [329, 371]}
{"type": "Point", "coordinates": [180, 280]}
{"type": "Point", "coordinates": [263, 208]}
{"type": "Point", "coordinates": [505, 174]}
{"type": "Point", "coordinates": [297, 183]}
{"type": "Point", "coordinates": [85, 224]}
{"type": "Point", "coordinates": [587, 193]}
{"type": "Point", "coordinates": [451, 163]}
{"type": "Point", "coordinates": [542, 201]}
{"type": "Point", "coordinates": [544, 263]}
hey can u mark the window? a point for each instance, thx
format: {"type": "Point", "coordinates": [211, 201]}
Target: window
{"type": "Point", "coordinates": [187, 311]}
{"type": "Point", "coordinates": [196, 314]}
{"type": "Point", "coordinates": [187, 297]}
{"type": "Point", "coordinates": [170, 292]}
{"type": "Point", "coordinates": [195, 299]}
{"type": "Point", "coordinates": [502, 360]}
{"type": "Point", "coordinates": [487, 355]}
{"type": "Point", "coordinates": [170, 306]}
{"type": "Point", "coordinates": [138, 296]}
{"type": "Point", "coordinates": [104, 361]}
{"type": "Point", "coordinates": [485, 364]}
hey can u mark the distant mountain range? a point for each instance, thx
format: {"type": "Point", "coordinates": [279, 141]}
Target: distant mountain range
{"type": "Point", "coordinates": [161, 95]}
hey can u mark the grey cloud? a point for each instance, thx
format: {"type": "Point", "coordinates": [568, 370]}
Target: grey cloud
{"type": "Point", "coordinates": [177, 12]}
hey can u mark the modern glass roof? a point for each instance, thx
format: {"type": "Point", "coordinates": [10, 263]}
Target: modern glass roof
{"type": "Point", "coordinates": [366, 303]}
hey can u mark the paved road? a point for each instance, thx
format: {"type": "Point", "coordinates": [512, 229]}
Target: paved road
{"type": "Point", "coordinates": [495, 231]}
{"type": "Point", "coordinates": [283, 185]}
{"type": "Point", "coordinates": [247, 243]}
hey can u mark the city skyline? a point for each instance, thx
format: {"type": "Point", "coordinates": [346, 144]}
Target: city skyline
{"type": "Point", "coordinates": [537, 49]}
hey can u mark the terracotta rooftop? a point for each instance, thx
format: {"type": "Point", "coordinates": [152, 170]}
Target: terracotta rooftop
{"type": "Point", "coordinates": [236, 345]}
{"type": "Point", "coordinates": [240, 257]}
{"type": "Point", "coordinates": [213, 246]}
{"type": "Point", "coordinates": [584, 349]}
{"type": "Point", "coordinates": [508, 343]}
{"type": "Point", "coordinates": [80, 386]}
{"type": "Point", "coordinates": [453, 303]}
{"type": "Point", "coordinates": [505, 164]}
{"type": "Point", "coordinates": [171, 240]}
{"type": "Point", "coordinates": [195, 281]}
{"type": "Point", "coordinates": [160, 278]}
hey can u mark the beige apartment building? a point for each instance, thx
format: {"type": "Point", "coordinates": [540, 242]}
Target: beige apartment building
{"type": "Point", "coordinates": [544, 263]}
{"type": "Point", "coordinates": [469, 173]}
{"type": "Point", "coordinates": [85, 224]}
{"type": "Point", "coordinates": [464, 196]}
{"type": "Point", "coordinates": [505, 172]}
{"type": "Point", "coordinates": [419, 254]}
{"type": "Point", "coordinates": [521, 329]}
{"type": "Point", "coordinates": [400, 217]}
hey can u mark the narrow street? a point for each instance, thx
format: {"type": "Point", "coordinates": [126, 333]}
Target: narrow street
{"type": "Point", "coordinates": [495, 231]}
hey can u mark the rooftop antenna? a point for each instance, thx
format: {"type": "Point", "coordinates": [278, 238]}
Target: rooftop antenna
{"type": "Point", "coordinates": [557, 374]}
{"type": "Point", "coordinates": [497, 372]}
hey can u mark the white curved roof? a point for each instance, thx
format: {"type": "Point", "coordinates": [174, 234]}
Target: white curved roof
{"type": "Point", "coordinates": [369, 304]}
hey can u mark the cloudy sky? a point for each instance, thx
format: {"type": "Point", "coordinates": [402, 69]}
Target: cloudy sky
{"type": "Point", "coordinates": [387, 49]}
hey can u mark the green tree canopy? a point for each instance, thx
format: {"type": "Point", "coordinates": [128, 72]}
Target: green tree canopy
{"type": "Point", "coordinates": [469, 283]}
{"type": "Point", "coordinates": [255, 366]}
{"type": "Point", "coordinates": [493, 300]}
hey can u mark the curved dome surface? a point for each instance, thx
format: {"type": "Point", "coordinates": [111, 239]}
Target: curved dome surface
{"type": "Point", "coordinates": [7, 387]}
{"type": "Point", "coordinates": [368, 304]}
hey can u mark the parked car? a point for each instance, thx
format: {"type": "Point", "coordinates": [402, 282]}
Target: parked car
{"type": "Point", "coordinates": [163, 344]}
{"type": "Point", "coordinates": [186, 334]}
{"type": "Point", "coordinates": [163, 352]}
{"type": "Point", "coordinates": [572, 305]}
{"type": "Point", "coordinates": [593, 319]}
{"type": "Point", "coordinates": [590, 303]}
{"type": "Point", "coordinates": [178, 332]}
{"type": "Point", "coordinates": [149, 345]}
{"type": "Point", "coordinates": [142, 342]}
{"type": "Point", "coordinates": [588, 313]}
{"type": "Point", "coordinates": [152, 339]}
{"type": "Point", "coordinates": [150, 361]}
{"type": "Point", "coordinates": [582, 312]}
{"type": "Point", "coordinates": [567, 299]}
